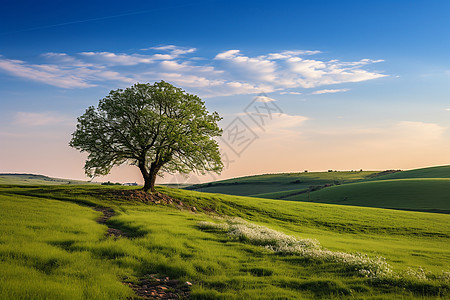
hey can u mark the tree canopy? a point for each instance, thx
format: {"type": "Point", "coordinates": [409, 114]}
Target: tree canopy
{"type": "Point", "coordinates": [157, 127]}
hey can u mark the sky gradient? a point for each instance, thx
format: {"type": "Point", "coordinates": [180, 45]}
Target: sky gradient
{"type": "Point", "coordinates": [345, 84]}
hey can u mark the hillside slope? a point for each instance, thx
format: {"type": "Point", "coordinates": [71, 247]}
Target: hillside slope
{"type": "Point", "coordinates": [271, 183]}
{"type": "Point", "coordinates": [425, 189]}
{"type": "Point", "coordinates": [426, 194]}
{"type": "Point", "coordinates": [33, 179]}
{"type": "Point", "coordinates": [49, 239]}
{"type": "Point", "coordinates": [431, 172]}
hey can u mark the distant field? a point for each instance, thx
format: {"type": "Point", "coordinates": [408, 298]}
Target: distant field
{"type": "Point", "coordinates": [426, 189]}
{"type": "Point", "coordinates": [431, 195]}
{"type": "Point", "coordinates": [27, 179]}
{"type": "Point", "coordinates": [50, 240]}
{"type": "Point", "coordinates": [272, 183]}
{"type": "Point", "coordinates": [432, 172]}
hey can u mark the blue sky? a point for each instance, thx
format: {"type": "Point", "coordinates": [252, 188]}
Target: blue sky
{"type": "Point", "coordinates": [359, 84]}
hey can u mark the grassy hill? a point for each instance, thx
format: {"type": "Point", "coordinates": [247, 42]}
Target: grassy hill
{"type": "Point", "coordinates": [27, 179]}
{"type": "Point", "coordinates": [431, 172]}
{"type": "Point", "coordinates": [259, 185]}
{"type": "Point", "coordinates": [51, 246]}
{"type": "Point", "coordinates": [425, 189]}
{"type": "Point", "coordinates": [424, 194]}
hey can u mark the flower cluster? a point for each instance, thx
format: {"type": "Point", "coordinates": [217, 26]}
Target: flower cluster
{"type": "Point", "coordinates": [213, 226]}
{"type": "Point", "coordinates": [419, 273]}
{"type": "Point", "coordinates": [309, 248]}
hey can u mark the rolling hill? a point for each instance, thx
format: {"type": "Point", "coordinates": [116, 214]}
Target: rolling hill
{"type": "Point", "coordinates": [33, 179]}
{"type": "Point", "coordinates": [259, 185]}
{"type": "Point", "coordinates": [425, 189]}
{"type": "Point", "coordinates": [425, 194]}
{"type": "Point", "coordinates": [431, 172]}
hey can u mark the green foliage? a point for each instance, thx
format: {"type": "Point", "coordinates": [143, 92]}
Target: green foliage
{"type": "Point", "coordinates": [159, 128]}
{"type": "Point", "coordinates": [110, 183]}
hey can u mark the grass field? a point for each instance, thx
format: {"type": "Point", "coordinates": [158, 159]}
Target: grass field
{"type": "Point", "coordinates": [425, 194]}
{"type": "Point", "coordinates": [432, 172]}
{"type": "Point", "coordinates": [52, 248]}
{"type": "Point", "coordinates": [35, 179]}
{"type": "Point", "coordinates": [263, 185]}
{"type": "Point", "coordinates": [426, 189]}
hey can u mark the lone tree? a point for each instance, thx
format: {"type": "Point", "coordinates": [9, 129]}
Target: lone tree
{"type": "Point", "coordinates": [159, 128]}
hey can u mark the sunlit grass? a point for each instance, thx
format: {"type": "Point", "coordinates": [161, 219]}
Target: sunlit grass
{"type": "Point", "coordinates": [35, 237]}
{"type": "Point", "coordinates": [49, 236]}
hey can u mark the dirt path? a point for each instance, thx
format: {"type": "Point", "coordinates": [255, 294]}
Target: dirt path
{"type": "Point", "coordinates": [150, 286]}
{"type": "Point", "coordinates": [107, 214]}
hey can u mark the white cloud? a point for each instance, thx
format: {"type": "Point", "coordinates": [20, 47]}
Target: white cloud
{"type": "Point", "coordinates": [288, 69]}
{"type": "Point", "coordinates": [287, 54]}
{"type": "Point", "coordinates": [251, 68]}
{"type": "Point", "coordinates": [290, 93]}
{"type": "Point", "coordinates": [227, 54]}
{"type": "Point", "coordinates": [162, 56]}
{"type": "Point", "coordinates": [264, 99]}
{"type": "Point", "coordinates": [118, 59]}
{"type": "Point", "coordinates": [63, 59]}
{"type": "Point", "coordinates": [190, 80]}
{"type": "Point", "coordinates": [48, 74]}
{"type": "Point", "coordinates": [331, 91]}
{"type": "Point", "coordinates": [186, 67]}
{"type": "Point", "coordinates": [174, 50]}
{"type": "Point", "coordinates": [41, 119]}
{"type": "Point", "coordinates": [229, 73]}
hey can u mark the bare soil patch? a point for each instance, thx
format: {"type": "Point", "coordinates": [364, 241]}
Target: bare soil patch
{"type": "Point", "coordinates": [149, 286]}
{"type": "Point", "coordinates": [152, 287]}
{"type": "Point", "coordinates": [107, 214]}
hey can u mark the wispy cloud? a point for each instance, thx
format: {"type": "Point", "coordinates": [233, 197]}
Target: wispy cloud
{"type": "Point", "coordinates": [48, 74]}
{"type": "Point", "coordinates": [290, 93]}
{"type": "Point", "coordinates": [228, 73]}
{"type": "Point", "coordinates": [174, 50]}
{"type": "Point", "coordinates": [330, 91]}
{"type": "Point", "coordinates": [113, 59]}
{"type": "Point", "coordinates": [264, 99]}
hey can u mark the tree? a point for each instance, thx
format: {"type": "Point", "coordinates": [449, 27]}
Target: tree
{"type": "Point", "coordinates": [159, 128]}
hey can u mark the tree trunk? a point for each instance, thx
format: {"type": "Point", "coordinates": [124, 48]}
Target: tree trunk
{"type": "Point", "coordinates": [145, 175]}
{"type": "Point", "coordinates": [148, 185]}
{"type": "Point", "coordinates": [149, 176]}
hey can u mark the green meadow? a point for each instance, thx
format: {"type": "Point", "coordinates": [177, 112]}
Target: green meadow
{"type": "Point", "coordinates": [283, 182]}
{"type": "Point", "coordinates": [33, 179]}
{"type": "Point", "coordinates": [426, 189]}
{"type": "Point", "coordinates": [51, 246]}
{"type": "Point", "coordinates": [424, 194]}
